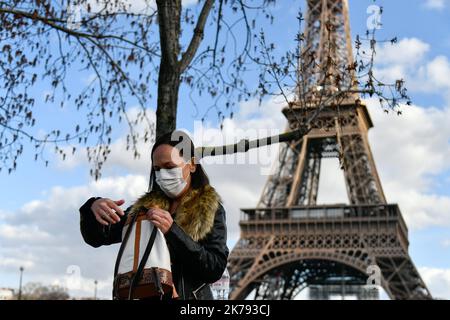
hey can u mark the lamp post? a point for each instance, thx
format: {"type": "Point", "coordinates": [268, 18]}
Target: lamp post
{"type": "Point", "coordinates": [95, 290]}
{"type": "Point", "coordinates": [20, 283]}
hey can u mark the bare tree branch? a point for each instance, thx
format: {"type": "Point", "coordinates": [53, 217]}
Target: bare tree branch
{"type": "Point", "coordinates": [197, 36]}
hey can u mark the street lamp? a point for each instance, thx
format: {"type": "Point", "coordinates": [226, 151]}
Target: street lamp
{"type": "Point", "coordinates": [95, 290]}
{"type": "Point", "coordinates": [20, 284]}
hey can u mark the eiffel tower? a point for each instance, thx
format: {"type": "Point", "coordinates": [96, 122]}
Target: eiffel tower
{"type": "Point", "coordinates": [289, 242]}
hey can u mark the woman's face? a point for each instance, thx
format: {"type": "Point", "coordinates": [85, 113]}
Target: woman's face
{"type": "Point", "coordinates": [167, 157]}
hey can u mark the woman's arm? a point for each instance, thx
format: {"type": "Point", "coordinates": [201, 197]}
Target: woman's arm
{"type": "Point", "coordinates": [207, 259]}
{"type": "Point", "coordinates": [96, 234]}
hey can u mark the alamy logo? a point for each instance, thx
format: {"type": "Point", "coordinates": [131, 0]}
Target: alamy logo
{"type": "Point", "coordinates": [374, 20]}
{"type": "Point", "coordinates": [73, 277]}
{"type": "Point", "coordinates": [374, 279]}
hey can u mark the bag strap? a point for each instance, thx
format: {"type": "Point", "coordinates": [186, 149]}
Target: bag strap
{"type": "Point", "coordinates": [119, 255]}
{"type": "Point", "coordinates": [123, 244]}
{"type": "Point", "coordinates": [138, 273]}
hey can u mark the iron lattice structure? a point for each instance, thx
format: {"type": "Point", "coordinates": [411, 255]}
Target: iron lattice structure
{"type": "Point", "coordinates": [288, 242]}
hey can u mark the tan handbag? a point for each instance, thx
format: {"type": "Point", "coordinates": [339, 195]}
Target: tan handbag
{"type": "Point", "coordinates": [143, 268]}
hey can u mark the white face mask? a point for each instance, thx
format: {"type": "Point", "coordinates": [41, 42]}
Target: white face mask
{"type": "Point", "coordinates": [171, 181]}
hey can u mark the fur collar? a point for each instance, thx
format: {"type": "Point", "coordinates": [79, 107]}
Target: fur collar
{"type": "Point", "coordinates": [195, 214]}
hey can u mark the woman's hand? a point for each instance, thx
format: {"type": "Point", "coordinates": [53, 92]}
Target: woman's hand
{"type": "Point", "coordinates": [107, 211]}
{"type": "Point", "coordinates": [162, 219]}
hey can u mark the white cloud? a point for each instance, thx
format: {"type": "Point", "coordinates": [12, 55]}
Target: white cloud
{"type": "Point", "coordinates": [332, 189]}
{"type": "Point", "coordinates": [437, 73]}
{"type": "Point", "coordinates": [410, 152]}
{"type": "Point", "coordinates": [437, 280]}
{"type": "Point", "coordinates": [407, 52]}
{"type": "Point", "coordinates": [15, 263]}
{"type": "Point", "coordinates": [407, 60]}
{"type": "Point", "coordinates": [44, 237]}
{"type": "Point", "coordinates": [22, 233]}
{"type": "Point", "coordinates": [415, 143]}
{"type": "Point", "coordinates": [119, 157]}
{"type": "Point", "coordinates": [436, 4]}
{"type": "Point", "coordinates": [446, 243]}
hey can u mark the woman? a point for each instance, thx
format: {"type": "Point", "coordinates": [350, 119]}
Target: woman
{"type": "Point", "coordinates": [183, 205]}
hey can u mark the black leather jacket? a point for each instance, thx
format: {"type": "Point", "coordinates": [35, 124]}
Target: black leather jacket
{"type": "Point", "coordinates": [194, 264]}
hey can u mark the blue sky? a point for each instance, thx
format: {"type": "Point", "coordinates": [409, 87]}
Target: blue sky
{"type": "Point", "coordinates": [38, 211]}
